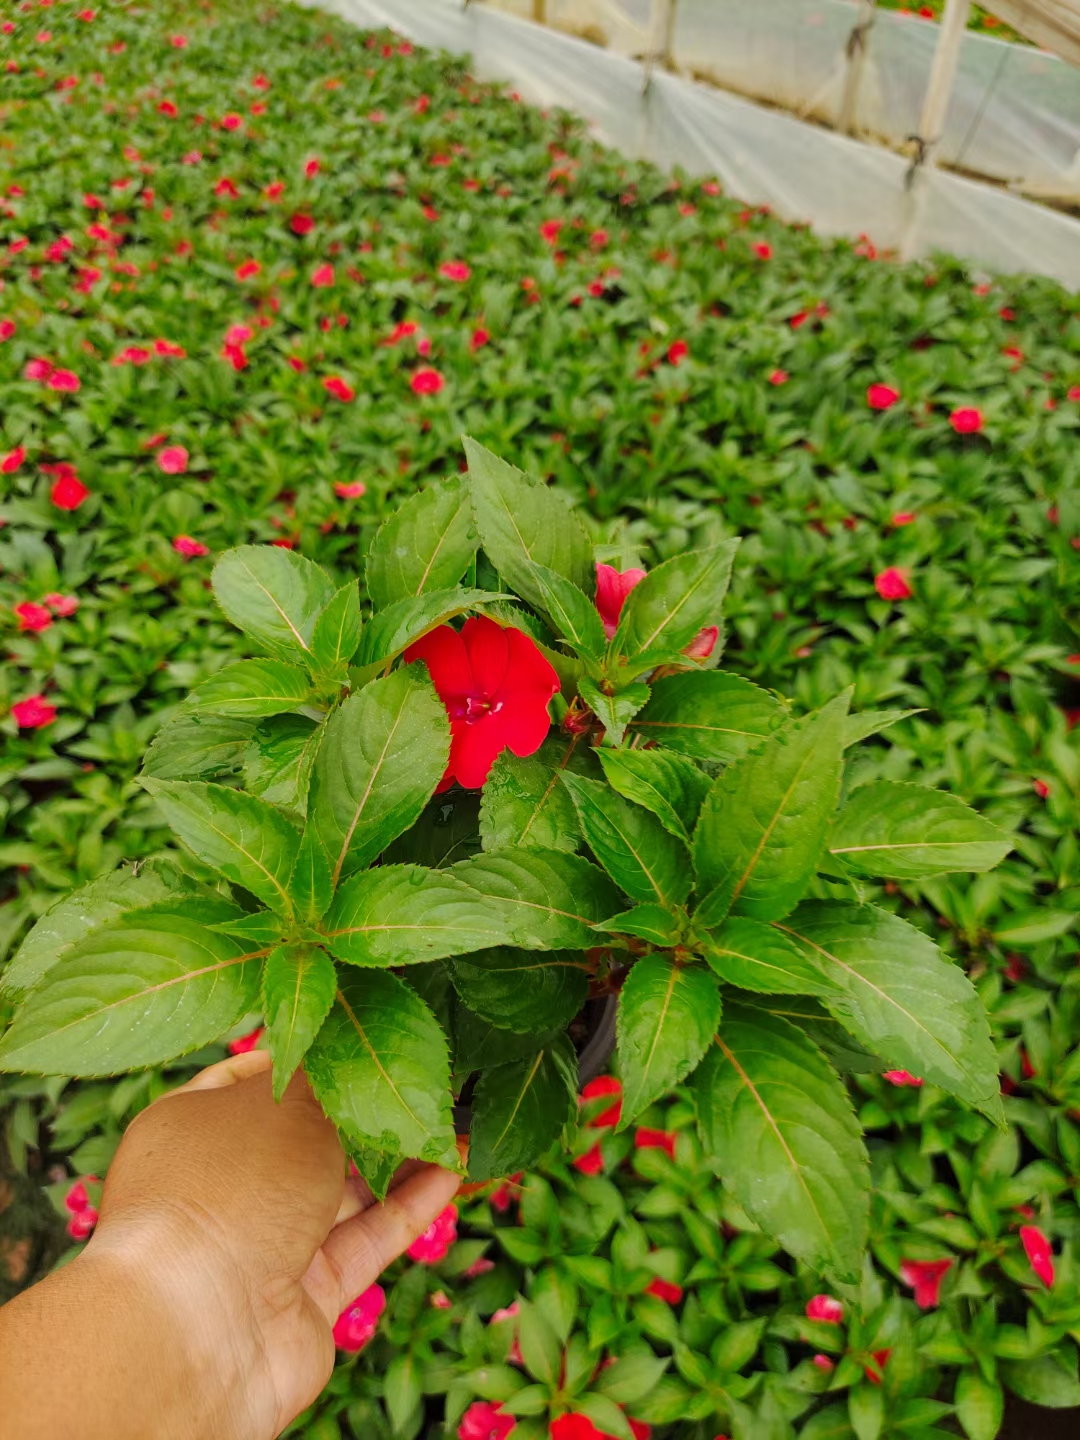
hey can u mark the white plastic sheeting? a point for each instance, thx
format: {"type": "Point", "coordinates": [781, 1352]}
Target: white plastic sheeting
{"type": "Point", "coordinates": [840, 186]}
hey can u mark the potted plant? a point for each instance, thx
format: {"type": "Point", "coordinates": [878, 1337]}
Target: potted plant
{"type": "Point", "coordinates": [431, 848]}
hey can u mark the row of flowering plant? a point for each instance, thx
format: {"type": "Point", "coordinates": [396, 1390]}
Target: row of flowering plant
{"type": "Point", "coordinates": [648, 827]}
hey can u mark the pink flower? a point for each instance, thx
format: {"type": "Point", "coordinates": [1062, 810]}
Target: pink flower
{"type": "Point", "coordinates": [311, 168]}
{"type": "Point", "coordinates": [80, 1226]}
{"type": "Point", "coordinates": [455, 270]}
{"type": "Point", "coordinates": [7, 330]}
{"type": "Point", "coordinates": [37, 369]}
{"type": "Point", "coordinates": [591, 1163]}
{"type": "Point", "coordinates": [480, 338]}
{"type": "Point", "coordinates": [358, 1322]}
{"type": "Point", "coordinates": [646, 1139]}
{"type": "Point", "coordinates": [1041, 788]}
{"type": "Point", "coordinates": [825, 1307]}
{"type": "Point", "coordinates": [604, 1085]}
{"type": "Point", "coordinates": [823, 1363]}
{"type": "Point", "coordinates": [243, 1043]}
{"type": "Point", "coordinates": [434, 1244]}
{"type": "Point", "coordinates": [479, 1266]}
{"type": "Point", "coordinates": [68, 491]}
{"type": "Point", "coordinates": [612, 588]}
{"type": "Point", "coordinates": [248, 270]}
{"type": "Point", "coordinates": [231, 121]}
{"type": "Point", "coordinates": [349, 489]}
{"type": "Point", "coordinates": [12, 460]}
{"type": "Point", "coordinates": [925, 1277]}
{"type": "Point", "coordinates": [892, 584]}
{"type": "Point", "coordinates": [664, 1290]}
{"type": "Point", "coordinates": [77, 1201]}
{"type": "Point", "coordinates": [33, 617]}
{"type": "Point", "coordinates": [173, 460]}
{"type": "Point", "coordinates": [189, 548]}
{"type": "Point", "coordinates": [427, 382]}
{"type": "Point", "coordinates": [62, 605]}
{"type": "Point", "coordinates": [178, 41]}
{"type": "Point", "coordinates": [166, 347]}
{"type": "Point", "coordinates": [779, 377]}
{"type": "Point", "coordinates": [902, 1077]}
{"type": "Point", "coordinates": [903, 517]}
{"type": "Point", "coordinates": [881, 397]}
{"type": "Point", "coordinates": [323, 277]}
{"type": "Point", "coordinates": [65, 380]}
{"type": "Point", "coordinates": [33, 713]}
{"type": "Point", "coordinates": [339, 388]}
{"type": "Point", "coordinates": [677, 352]}
{"type": "Point", "coordinates": [301, 224]}
{"type": "Point", "coordinates": [966, 421]}
{"type": "Point", "coordinates": [549, 230]}
{"type": "Point", "coordinates": [484, 1420]}
{"type": "Point", "coordinates": [1037, 1249]}
{"type": "Point", "coordinates": [703, 643]}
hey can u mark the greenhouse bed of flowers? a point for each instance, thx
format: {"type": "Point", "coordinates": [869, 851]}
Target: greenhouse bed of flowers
{"type": "Point", "coordinates": [258, 274]}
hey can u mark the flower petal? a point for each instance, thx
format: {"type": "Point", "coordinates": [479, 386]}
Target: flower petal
{"type": "Point", "coordinates": [475, 750]}
{"type": "Point", "coordinates": [486, 645]}
{"type": "Point", "coordinates": [444, 654]}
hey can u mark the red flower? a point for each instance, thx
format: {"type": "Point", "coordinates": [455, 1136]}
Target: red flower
{"type": "Point", "coordinates": [485, 1421]}
{"type": "Point", "coordinates": [664, 1290]}
{"type": "Point", "coordinates": [495, 685]}
{"type": "Point", "coordinates": [33, 713]}
{"type": "Point", "coordinates": [358, 1322]}
{"type": "Point", "coordinates": [8, 327]}
{"type": "Point", "coordinates": [12, 460]}
{"type": "Point", "coordinates": [925, 1277]}
{"type": "Point", "coordinates": [65, 380]}
{"type": "Point", "coordinates": [311, 168]}
{"type": "Point", "coordinates": [225, 189]}
{"type": "Point", "coordinates": [779, 377]}
{"type": "Point", "coordinates": [881, 397]}
{"type": "Point", "coordinates": [434, 1244]}
{"type": "Point", "coordinates": [168, 108]}
{"type": "Point", "coordinates": [903, 517]}
{"type": "Point", "coordinates": [68, 491]}
{"type": "Point", "coordinates": [301, 224]}
{"type": "Point", "coordinates": [1041, 788]}
{"type": "Point", "coordinates": [703, 643]}
{"type": "Point", "coordinates": [612, 589]}
{"type": "Point", "coordinates": [339, 388]}
{"type": "Point", "coordinates": [591, 1163]}
{"type": "Point", "coordinates": [401, 331]}
{"type": "Point", "coordinates": [892, 584]}
{"type": "Point", "coordinates": [550, 231]}
{"type": "Point", "coordinates": [455, 270]}
{"type": "Point", "coordinates": [646, 1139]}
{"type": "Point", "coordinates": [480, 338]}
{"type": "Point", "coordinates": [873, 1372]}
{"type": "Point", "coordinates": [825, 1307]}
{"type": "Point", "coordinates": [966, 421]}
{"type": "Point", "coordinates": [677, 351]}
{"type": "Point", "coordinates": [37, 369]}
{"type": "Point", "coordinates": [189, 548]}
{"type": "Point", "coordinates": [166, 347]}
{"type": "Point", "coordinates": [33, 617]}
{"type": "Point", "coordinates": [640, 1429]}
{"type": "Point", "coordinates": [762, 250]}
{"type": "Point", "coordinates": [902, 1077]}
{"type": "Point", "coordinates": [575, 1427]}
{"type": "Point", "coordinates": [62, 605]}
{"type": "Point", "coordinates": [349, 489]}
{"type": "Point", "coordinates": [179, 41]}
{"type": "Point", "coordinates": [503, 1196]}
{"type": "Point", "coordinates": [173, 460]}
{"type": "Point", "coordinates": [81, 1225]}
{"type": "Point", "coordinates": [323, 277]}
{"type": "Point", "coordinates": [1037, 1249]}
{"type": "Point", "coordinates": [604, 1085]}
{"type": "Point", "coordinates": [231, 121]}
{"type": "Point", "coordinates": [427, 382]}
{"type": "Point", "coordinates": [243, 1043]}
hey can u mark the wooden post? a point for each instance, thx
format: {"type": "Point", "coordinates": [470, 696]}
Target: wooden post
{"type": "Point", "coordinates": [540, 11]}
{"type": "Point", "coordinates": [857, 47]}
{"type": "Point", "coordinates": [661, 38]}
{"type": "Point", "coordinates": [935, 110]}
{"type": "Point", "coordinates": [666, 54]}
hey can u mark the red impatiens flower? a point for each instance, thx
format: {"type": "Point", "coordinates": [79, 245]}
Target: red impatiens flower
{"type": "Point", "coordinates": [33, 713]}
{"type": "Point", "coordinates": [231, 121]}
{"type": "Point", "coordinates": [349, 489]}
{"type": "Point", "coordinates": [189, 548]}
{"type": "Point", "coordinates": [68, 492]}
{"type": "Point", "coordinates": [62, 605]}
{"type": "Point", "coordinates": [594, 1090]}
{"type": "Point", "coordinates": [484, 1420]}
{"type": "Point", "coordinates": [37, 369]}
{"type": "Point", "coordinates": [762, 250]}
{"type": "Point", "coordinates": [301, 224]}
{"type": "Point", "coordinates": [903, 517]}
{"type": "Point", "coordinates": [1037, 1249]}
{"type": "Point", "coordinates": [646, 1139]}
{"type": "Point", "coordinates": [455, 270]}
{"type": "Point", "coordinates": [664, 1290]}
{"type": "Point", "coordinates": [925, 1277]}
{"type": "Point", "coordinates": [427, 382]}
{"type": "Point", "coordinates": [612, 588]}
{"type": "Point", "coordinates": [434, 1244]}
{"type": "Point", "coordinates": [480, 338]}
{"type": "Point", "coordinates": [591, 1163]}
{"type": "Point", "coordinates": [779, 377]}
{"type": "Point", "coordinates": [549, 230]}
{"type": "Point", "coordinates": [65, 380]}
{"type": "Point", "coordinates": [575, 1427]}
{"type": "Point", "coordinates": [902, 1077]}
{"type": "Point", "coordinates": [892, 584]}
{"type": "Point", "coordinates": [311, 169]}
{"type": "Point", "coordinates": [967, 421]}
{"type": "Point", "coordinates": [173, 459]}
{"type": "Point", "coordinates": [12, 460]}
{"type": "Point", "coordinates": [825, 1307]}
{"type": "Point", "coordinates": [358, 1322]}
{"type": "Point", "coordinates": [495, 685]}
{"type": "Point", "coordinates": [881, 397]}
{"type": "Point", "coordinates": [32, 616]}
{"type": "Point", "coordinates": [677, 352]}
{"type": "Point", "coordinates": [7, 329]}
{"type": "Point", "coordinates": [339, 388]}
{"type": "Point", "coordinates": [245, 1043]}
{"type": "Point", "coordinates": [322, 277]}
{"type": "Point", "coordinates": [1041, 788]}
{"type": "Point", "coordinates": [248, 270]}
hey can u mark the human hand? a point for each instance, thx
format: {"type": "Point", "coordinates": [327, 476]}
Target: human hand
{"type": "Point", "coordinates": [231, 1238]}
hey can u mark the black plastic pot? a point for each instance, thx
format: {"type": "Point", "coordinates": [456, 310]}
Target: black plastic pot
{"type": "Point", "coordinates": [599, 1019]}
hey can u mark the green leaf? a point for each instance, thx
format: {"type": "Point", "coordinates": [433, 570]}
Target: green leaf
{"type": "Point", "coordinates": [673, 603]}
{"type": "Point", "coordinates": [708, 714]}
{"type": "Point", "coordinates": [337, 629]}
{"type": "Point", "coordinates": [648, 922]}
{"type": "Point", "coordinates": [273, 595]}
{"type": "Point", "coordinates": [779, 1129]}
{"type": "Point", "coordinates": [870, 722]}
{"type": "Point", "coordinates": [298, 988]}
{"type": "Point", "coordinates": [1031, 927]}
{"type": "Point", "coordinates": [825, 1031]}
{"type": "Point", "coordinates": [571, 612]}
{"type": "Point", "coordinates": [401, 1390]}
{"type": "Point", "coordinates": [980, 1405]}
{"type": "Point", "coordinates": [643, 859]}
{"type": "Point", "coordinates": [377, 1168]}
{"type": "Point", "coordinates": [605, 1415]}
{"type": "Point", "coordinates": [523, 523]}
{"type": "Point", "coordinates": [523, 803]}
{"type": "Point", "coordinates": [244, 839]}
{"type": "Point", "coordinates": [192, 747]}
{"type": "Point", "coordinates": [900, 832]}
{"type": "Point", "coordinates": [667, 1018]}
{"type": "Point", "coordinates": [138, 992]}
{"type": "Point", "coordinates": [479, 1045]}
{"type": "Point", "coordinates": [764, 823]}
{"type": "Point", "coordinates": [899, 995]}
{"type": "Point", "coordinates": [1049, 1381]}
{"type": "Point", "coordinates": [251, 688]}
{"type": "Point", "coordinates": [405, 914]}
{"type": "Point", "coordinates": [394, 629]}
{"type": "Point", "coordinates": [447, 831]}
{"type": "Point", "coordinates": [426, 544]}
{"type": "Point", "coordinates": [760, 957]}
{"type": "Point", "coordinates": [73, 917]}
{"type": "Point", "coordinates": [263, 927]}
{"type": "Point", "coordinates": [632, 1376]}
{"type": "Point", "coordinates": [278, 760]}
{"type": "Point", "coordinates": [309, 884]}
{"type": "Point", "coordinates": [520, 1108]}
{"type": "Point", "coordinates": [382, 754]}
{"type": "Point", "coordinates": [668, 784]}
{"type": "Point", "coordinates": [614, 711]}
{"type": "Point", "coordinates": [381, 1070]}
{"type": "Point", "coordinates": [521, 991]}
{"type": "Point", "coordinates": [548, 900]}
{"type": "Point", "coordinates": [540, 1347]}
